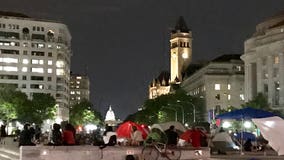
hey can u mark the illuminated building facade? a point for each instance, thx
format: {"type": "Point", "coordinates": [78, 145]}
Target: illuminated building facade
{"type": "Point", "coordinates": [35, 57]}
{"type": "Point", "coordinates": [180, 58]}
{"type": "Point", "coordinates": [219, 83]}
{"type": "Point", "coordinates": [79, 88]}
{"type": "Point", "coordinates": [264, 62]}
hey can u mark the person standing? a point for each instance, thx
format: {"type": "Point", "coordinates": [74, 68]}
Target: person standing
{"type": "Point", "coordinates": [195, 138]}
{"type": "Point", "coordinates": [172, 136]}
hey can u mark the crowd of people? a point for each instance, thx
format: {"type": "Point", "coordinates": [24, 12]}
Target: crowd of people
{"type": "Point", "coordinates": [66, 135]}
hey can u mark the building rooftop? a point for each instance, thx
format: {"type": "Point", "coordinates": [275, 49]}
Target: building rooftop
{"type": "Point", "coordinates": [181, 26]}
{"type": "Point", "coordinates": [227, 57]}
{"type": "Point", "coordinates": [13, 14]}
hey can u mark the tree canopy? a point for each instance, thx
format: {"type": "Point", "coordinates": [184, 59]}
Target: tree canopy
{"type": "Point", "coordinates": [170, 107]}
{"type": "Point", "coordinates": [82, 113]}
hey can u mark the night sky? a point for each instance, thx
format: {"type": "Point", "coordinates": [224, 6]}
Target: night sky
{"type": "Point", "coordinates": [123, 44]}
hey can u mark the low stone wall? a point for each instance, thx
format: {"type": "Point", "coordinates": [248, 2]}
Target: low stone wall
{"type": "Point", "coordinates": [90, 153]}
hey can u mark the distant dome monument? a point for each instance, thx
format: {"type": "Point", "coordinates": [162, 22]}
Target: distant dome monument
{"type": "Point", "coordinates": [110, 118]}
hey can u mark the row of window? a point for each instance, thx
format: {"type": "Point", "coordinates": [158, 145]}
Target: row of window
{"type": "Point", "coordinates": [59, 72]}
{"type": "Point", "coordinates": [181, 44]}
{"type": "Point", "coordinates": [217, 87]}
{"type": "Point", "coordinates": [228, 97]}
{"type": "Point", "coordinates": [10, 26]}
{"type": "Point", "coordinates": [59, 63]}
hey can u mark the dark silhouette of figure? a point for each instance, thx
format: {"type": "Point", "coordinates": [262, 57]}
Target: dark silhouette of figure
{"type": "Point", "coordinates": [56, 136]}
{"type": "Point", "coordinates": [172, 136]}
{"type": "Point", "coordinates": [248, 145]}
{"type": "Point", "coordinates": [26, 136]}
{"type": "Point", "coordinates": [37, 133]}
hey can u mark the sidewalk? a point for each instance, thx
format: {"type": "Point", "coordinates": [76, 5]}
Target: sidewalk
{"type": "Point", "coordinates": [9, 149]}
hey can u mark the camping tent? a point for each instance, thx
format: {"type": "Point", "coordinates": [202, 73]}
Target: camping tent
{"type": "Point", "coordinates": [124, 130]}
{"type": "Point", "coordinates": [272, 129]}
{"type": "Point", "coordinates": [164, 126]}
{"type": "Point", "coordinates": [245, 113]}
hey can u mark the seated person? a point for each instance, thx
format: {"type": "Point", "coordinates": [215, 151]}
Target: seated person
{"type": "Point", "coordinates": [136, 137]}
{"type": "Point", "coordinates": [248, 145]}
{"type": "Point", "coordinates": [109, 136]}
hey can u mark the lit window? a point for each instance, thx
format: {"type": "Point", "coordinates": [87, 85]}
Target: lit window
{"type": "Point", "coordinates": [217, 86]}
{"type": "Point", "coordinates": [60, 64]}
{"type": "Point", "coordinates": [72, 92]}
{"type": "Point", "coordinates": [59, 72]}
{"type": "Point", "coordinates": [78, 82]}
{"type": "Point", "coordinates": [24, 69]}
{"type": "Point", "coordinates": [41, 61]}
{"type": "Point", "coordinates": [58, 46]}
{"type": "Point", "coordinates": [34, 61]}
{"type": "Point", "coordinates": [78, 92]}
{"type": "Point", "coordinates": [78, 77]}
{"type": "Point", "coordinates": [229, 86]}
{"type": "Point", "coordinates": [242, 97]}
{"type": "Point", "coordinates": [9, 60]}
{"type": "Point", "coordinates": [77, 87]}
{"type": "Point", "coordinates": [40, 86]}
{"type": "Point", "coordinates": [276, 60]}
{"type": "Point", "coordinates": [40, 45]}
{"type": "Point", "coordinates": [37, 70]}
{"type": "Point", "coordinates": [49, 46]}
{"type": "Point", "coordinates": [49, 70]}
{"type": "Point", "coordinates": [229, 96]}
{"type": "Point", "coordinates": [10, 68]}
{"type": "Point", "coordinates": [25, 61]}
{"type": "Point", "coordinates": [78, 98]}
{"type": "Point", "coordinates": [184, 55]}
{"type": "Point", "coordinates": [49, 62]}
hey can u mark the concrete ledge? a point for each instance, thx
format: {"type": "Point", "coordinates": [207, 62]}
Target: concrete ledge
{"type": "Point", "coordinates": [93, 153]}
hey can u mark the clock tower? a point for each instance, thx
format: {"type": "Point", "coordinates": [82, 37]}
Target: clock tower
{"type": "Point", "coordinates": [181, 50]}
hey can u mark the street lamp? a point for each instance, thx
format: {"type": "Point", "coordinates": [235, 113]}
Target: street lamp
{"type": "Point", "coordinates": [194, 117]}
{"type": "Point", "coordinates": [170, 109]}
{"type": "Point", "coordinates": [182, 110]}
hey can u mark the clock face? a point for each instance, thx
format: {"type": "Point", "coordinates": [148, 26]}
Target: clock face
{"type": "Point", "coordinates": [184, 55]}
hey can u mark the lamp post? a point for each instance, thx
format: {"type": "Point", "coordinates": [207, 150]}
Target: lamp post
{"type": "Point", "coordinates": [170, 109]}
{"type": "Point", "coordinates": [194, 117]}
{"type": "Point", "coordinates": [182, 110]}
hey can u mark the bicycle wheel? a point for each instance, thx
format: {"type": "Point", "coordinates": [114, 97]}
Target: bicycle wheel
{"type": "Point", "coordinates": [173, 153]}
{"type": "Point", "coordinates": [150, 153]}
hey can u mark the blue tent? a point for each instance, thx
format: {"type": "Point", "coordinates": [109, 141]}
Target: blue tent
{"type": "Point", "coordinates": [245, 113]}
{"type": "Point", "coordinates": [245, 136]}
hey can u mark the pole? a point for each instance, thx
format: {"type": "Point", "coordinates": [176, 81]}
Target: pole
{"type": "Point", "coordinates": [171, 109]}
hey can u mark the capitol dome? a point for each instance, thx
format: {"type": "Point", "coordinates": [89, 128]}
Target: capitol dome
{"type": "Point", "coordinates": [110, 115]}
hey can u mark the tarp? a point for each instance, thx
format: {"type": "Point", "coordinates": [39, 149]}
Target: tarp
{"type": "Point", "coordinates": [165, 126]}
{"type": "Point", "coordinates": [272, 129]}
{"type": "Point", "coordinates": [245, 113]}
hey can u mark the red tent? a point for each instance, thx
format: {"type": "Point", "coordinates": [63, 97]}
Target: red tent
{"type": "Point", "coordinates": [124, 130]}
{"type": "Point", "coordinates": [186, 135]}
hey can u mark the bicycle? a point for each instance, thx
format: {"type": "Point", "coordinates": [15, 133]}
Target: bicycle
{"type": "Point", "coordinates": [159, 151]}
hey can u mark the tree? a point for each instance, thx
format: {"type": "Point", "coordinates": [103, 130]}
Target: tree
{"type": "Point", "coordinates": [167, 107]}
{"type": "Point", "coordinates": [258, 102]}
{"type": "Point", "coordinates": [40, 108]}
{"type": "Point", "coordinates": [10, 100]}
{"type": "Point", "coordinates": [82, 113]}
